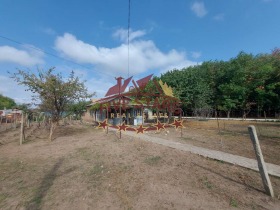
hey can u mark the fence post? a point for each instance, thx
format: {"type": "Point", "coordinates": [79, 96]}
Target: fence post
{"type": "Point", "coordinates": [6, 123]}
{"type": "Point", "coordinates": [21, 130]}
{"type": "Point", "coordinates": [44, 120]}
{"type": "Point", "coordinates": [1, 122]}
{"type": "Point", "coordinates": [15, 122]}
{"type": "Point", "coordinates": [261, 164]}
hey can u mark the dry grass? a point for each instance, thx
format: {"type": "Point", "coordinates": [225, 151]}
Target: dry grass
{"type": "Point", "coordinates": [84, 168]}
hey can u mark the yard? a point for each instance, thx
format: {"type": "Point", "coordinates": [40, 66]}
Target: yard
{"type": "Point", "coordinates": [85, 168]}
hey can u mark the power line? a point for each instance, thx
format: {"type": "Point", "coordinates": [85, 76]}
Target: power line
{"type": "Point", "coordinates": [128, 37]}
{"type": "Point", "coordinates": [48, 53]}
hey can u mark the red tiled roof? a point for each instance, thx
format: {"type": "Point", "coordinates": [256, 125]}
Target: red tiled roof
{"type": "Point", "coordinates": [144, 81]}
{"type": "Point", "coordinates": [115, 89]}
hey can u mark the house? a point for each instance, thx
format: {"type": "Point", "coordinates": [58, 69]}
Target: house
{"type": "Point", "coordinates": [117, 109]}
{"type": "Point", "coordinates": [121, 105]}
{"type": "Point", "coordinates": [115, 106]}
{"type": "Point", "coordinates": [88, 115]}
{"type": "Point", "coordinates": [10, 115]}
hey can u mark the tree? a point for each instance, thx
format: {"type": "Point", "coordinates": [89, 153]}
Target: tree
{"type": "Point", "coordinates": [53, 92]}
{"type": "Point", "coordinates": [6, 102]}
{"type": "Point", "coordinates": [243, 84]}
{"type": "Point", "coordinates": [191, 88]}
{"type": "Point", "coordinates": [24, 107]}
{"type": "Point", "coordinates": [78, 108]}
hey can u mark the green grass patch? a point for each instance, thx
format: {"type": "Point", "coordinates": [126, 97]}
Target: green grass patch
{"type": "Point", "coordinates": [124, 167]}
{"type": "Point", "coordinates": [186, 138]}
{"type": "Point", "coordinates": [152, 160]}
{"type": "Point", "coordinates": [207, 183]}
{"type": "Point", "coordinates": [203, 119]}
{"type": "Point", "coordinates": [97, 169]}
{"type": "Point", "coordinates": [95, 174]}
{"type": "Point", "coordinates": [85, 153]}
{"type": "Point", "coordinates": [233, 202]}
{"type": "Point", "coordinates": [228, 133]}
{"type": "Point", "coordinates": [219, 161]}
{"type": "Point", "coordinates": [3, 197]}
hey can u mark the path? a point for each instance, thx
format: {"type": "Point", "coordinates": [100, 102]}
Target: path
{"type": "Point", "coordinates": [236, 119]}
{"type": "Point", "coordinates": [217, 155]}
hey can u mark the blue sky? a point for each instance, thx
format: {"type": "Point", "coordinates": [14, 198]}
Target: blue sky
{"type": "Point", "coordinates": [90, 36]}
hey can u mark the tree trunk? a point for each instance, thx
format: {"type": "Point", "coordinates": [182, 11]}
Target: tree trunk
{"type": "Point", "coordinates": [53, 125]}
{"type": "Point", "coordinates": [81, 119]}
{"type": "Point", "coordinates": [228, 114]}
{"type": "Point", "coordinates": [218, 123]}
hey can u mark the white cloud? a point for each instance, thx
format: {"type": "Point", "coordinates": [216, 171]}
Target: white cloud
{"type": "Point", "coordinates": [144, 55]}
{"type": "Point", "coordinates": [219, 17]}
{"type": "Point", "coordinates": [28, 57]}
{"type": "Point", "coordinates": [196, 55]}
{"type": "Point", "coordinates": [100, 86]}
{"type": "Point", "coordinates": [178, 66]}
{"type": "Point", "coordinates": [123, 35]}
{"type": "Point", "coordinates": [80, 72]}
{"type": "Point", "coordinates": [49, 31]}
{"type": "Point", "coordinates": [199, 9]}
{"type": "Point", "coordinates": [11, 89]}
{"type": "Point", "coordinates": [97, 83]}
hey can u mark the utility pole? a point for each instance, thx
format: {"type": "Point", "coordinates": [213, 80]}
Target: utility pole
{"type": "Point", "coordinates": [119, 82]}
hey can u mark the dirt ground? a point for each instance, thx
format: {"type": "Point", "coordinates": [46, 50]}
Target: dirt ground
{"type": "Point", "coordinates": [85, 168]}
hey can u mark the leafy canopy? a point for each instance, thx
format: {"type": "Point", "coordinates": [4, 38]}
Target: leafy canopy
{"type": "Point", "coordinates": [244, 83]}
{"type": "Point", "coordinates": [53, 92]}
{"type": "Point", "coordinates": [6, 102]}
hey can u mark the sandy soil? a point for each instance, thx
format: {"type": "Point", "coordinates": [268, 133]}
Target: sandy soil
{"type": "Point", "coordinates": [85, 168]}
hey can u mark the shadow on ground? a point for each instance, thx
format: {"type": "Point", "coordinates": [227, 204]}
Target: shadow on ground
{"type": "Point", "coordinates": [230, 179]}
{"type": "Point", "coordinates": [45, 185]}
